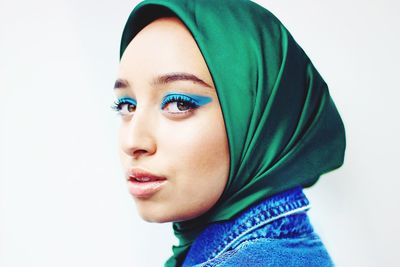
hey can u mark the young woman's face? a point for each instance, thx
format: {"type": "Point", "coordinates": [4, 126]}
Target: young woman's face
{"type": "Point", "coordinates": [174, 147]}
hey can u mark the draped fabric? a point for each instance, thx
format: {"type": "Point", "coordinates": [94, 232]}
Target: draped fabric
{"type": "Point", "coordinates": [282, 125]}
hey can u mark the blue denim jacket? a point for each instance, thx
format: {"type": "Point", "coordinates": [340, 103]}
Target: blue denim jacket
{"type": "Point", "coordinates": [275, 232]}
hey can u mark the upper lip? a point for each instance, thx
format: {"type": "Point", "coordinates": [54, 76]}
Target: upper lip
{"type": "Point", "coordinates": [139, 174]}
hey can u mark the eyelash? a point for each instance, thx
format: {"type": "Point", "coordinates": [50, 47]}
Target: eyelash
{"type": "Point", "coordinates": [118, 105]}
{"type": "Point", "coordinates": [187, 101]}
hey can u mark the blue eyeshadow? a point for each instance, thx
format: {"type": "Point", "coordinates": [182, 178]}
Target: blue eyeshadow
{"type": "Point", "coordinates": [127, 100]}
{"type": "Point", "coordinates": [200, 100]}
{"type": "Point", "coordinates": [197, 99]}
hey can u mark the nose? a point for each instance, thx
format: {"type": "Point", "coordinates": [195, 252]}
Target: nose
{"type": "Point", "coordinates": [137, 138]}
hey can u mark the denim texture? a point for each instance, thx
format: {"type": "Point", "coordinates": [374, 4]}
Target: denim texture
{"type": "Point", "coordinates": [274, 232]}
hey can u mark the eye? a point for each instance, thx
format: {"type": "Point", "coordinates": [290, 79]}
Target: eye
{"type": "Point", "coordinates": [124, 106]}
{"type": "Point", "coordinates": [178, 104]}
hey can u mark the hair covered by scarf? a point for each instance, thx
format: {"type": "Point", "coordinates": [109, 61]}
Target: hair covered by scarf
{"type": "Point", "coordinates": [282, 125]}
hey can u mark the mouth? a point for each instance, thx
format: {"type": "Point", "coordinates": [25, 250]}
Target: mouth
{"type": "Point", "coordinates": [140, 175]}
{"type": "Point", "coordinates": [143, 184]}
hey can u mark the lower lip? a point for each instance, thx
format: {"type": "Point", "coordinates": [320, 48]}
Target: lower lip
{"type": "Point", "coordinates": [145, 189]}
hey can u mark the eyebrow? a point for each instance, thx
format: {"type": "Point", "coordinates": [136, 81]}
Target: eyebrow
{"type": "Point", "coordinates": [165, 79]}
{"type": "Point", "coordinates": [121, 84]}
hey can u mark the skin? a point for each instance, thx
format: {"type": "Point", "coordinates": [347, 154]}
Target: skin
{"type": "Point", "coordinates": [190, 149]}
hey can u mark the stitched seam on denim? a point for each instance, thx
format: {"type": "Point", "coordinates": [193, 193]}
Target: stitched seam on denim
{"type": "Point", "coordinates": [309, 236]}
{"type": "Point", "coordinates": [298, 226]}
{"type": "Point", "coordinates": [272, 209]}
{"type": "Point", "coordinates": [217, 260]}
{"type": "Point", "coordinates": [213, 262]}
{"type": "Point", "coordinates": [271, 212]}
{"type": "Point", "coordinates": [231, 243]}
{"type": "Point", "coordinates": [300, 210]}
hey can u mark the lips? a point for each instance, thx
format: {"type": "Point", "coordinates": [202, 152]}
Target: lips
{"type": "Point", "coordinates": [143, 184]}
{"type": "Point", "coordinates": [140, 175]}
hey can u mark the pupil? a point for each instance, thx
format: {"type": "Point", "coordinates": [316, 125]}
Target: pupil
{"type": "Point", "coordinates": [131, 108]}
{"type": "Point", "coordinates": [182, 106]}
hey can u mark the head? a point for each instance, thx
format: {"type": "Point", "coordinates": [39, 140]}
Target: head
{"type": "Point", "coordinates": [282, 125]}
{"type": "Point", "coordinates": [172, 127]}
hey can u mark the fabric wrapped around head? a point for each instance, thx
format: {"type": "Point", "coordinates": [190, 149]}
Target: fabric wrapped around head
{"type": "Point", "coordinates": [282, 126]}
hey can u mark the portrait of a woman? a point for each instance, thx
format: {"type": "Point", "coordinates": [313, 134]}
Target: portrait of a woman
{"type": "Point", "coordinates": [224, 121]}
{"type": "Point", "coordinates": [199, 133]}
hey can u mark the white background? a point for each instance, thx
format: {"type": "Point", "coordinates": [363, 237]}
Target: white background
{"type": "Point", "coordinates": [63, 200]}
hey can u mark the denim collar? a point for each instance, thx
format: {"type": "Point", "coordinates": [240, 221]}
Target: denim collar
{"type": "Point", "coordinates": [219, 237]}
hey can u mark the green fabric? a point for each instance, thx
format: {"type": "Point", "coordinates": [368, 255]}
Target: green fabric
{"type": "Point", "coordinates": [282, 125]}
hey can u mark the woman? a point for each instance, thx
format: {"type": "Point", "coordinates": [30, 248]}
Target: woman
{"type": "Point", "coordinates": [224, 120]}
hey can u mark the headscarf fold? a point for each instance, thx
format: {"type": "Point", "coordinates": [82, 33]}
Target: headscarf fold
{"type": "Point", "coordinates": [282, 125]}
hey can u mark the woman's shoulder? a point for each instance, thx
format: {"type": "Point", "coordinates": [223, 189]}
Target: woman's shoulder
{"type": "Point", "coordinates": [306, 250]}
{"type": "Point", "coordinates": [275, 232]}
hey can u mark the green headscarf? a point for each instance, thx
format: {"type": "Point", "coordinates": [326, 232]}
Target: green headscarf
{"type": "Point", "coordinates": [282, 125]}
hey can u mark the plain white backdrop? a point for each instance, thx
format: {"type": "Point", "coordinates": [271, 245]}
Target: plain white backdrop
{"type": "Point", "coordinates": [63, 199]}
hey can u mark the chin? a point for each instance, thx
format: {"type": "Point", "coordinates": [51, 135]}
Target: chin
{"type": "Point", "coordinates": [156, 211]}
{"type": "Point", "coordinates": [158, 216]}
{"type": "Point", "coordinates": [151, 218]}
{"type": "Point", "coordinates": [153, 214]}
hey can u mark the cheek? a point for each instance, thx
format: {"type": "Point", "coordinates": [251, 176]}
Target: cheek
{"type": "Point", "coordinates": [198, 159]}
{"type": "Point", "coordinates": [194, 142]}
{"type": "Point", "coordinates": [123, 135]}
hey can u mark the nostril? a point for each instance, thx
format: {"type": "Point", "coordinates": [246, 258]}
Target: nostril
{"type": "Point", "coordinates": [137, 153]}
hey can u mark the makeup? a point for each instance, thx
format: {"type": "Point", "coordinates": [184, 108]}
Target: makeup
{"type": "Point", "coordinates": [125, 105]}
{"type": "Point", "coordinates": [187, 101]}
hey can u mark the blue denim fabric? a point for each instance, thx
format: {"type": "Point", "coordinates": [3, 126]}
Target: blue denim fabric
{"type": "Point", "coordinates": [275, 232]}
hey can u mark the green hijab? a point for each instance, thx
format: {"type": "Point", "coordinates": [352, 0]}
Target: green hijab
{"type": "Point", "coordinates": [282, 125]}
